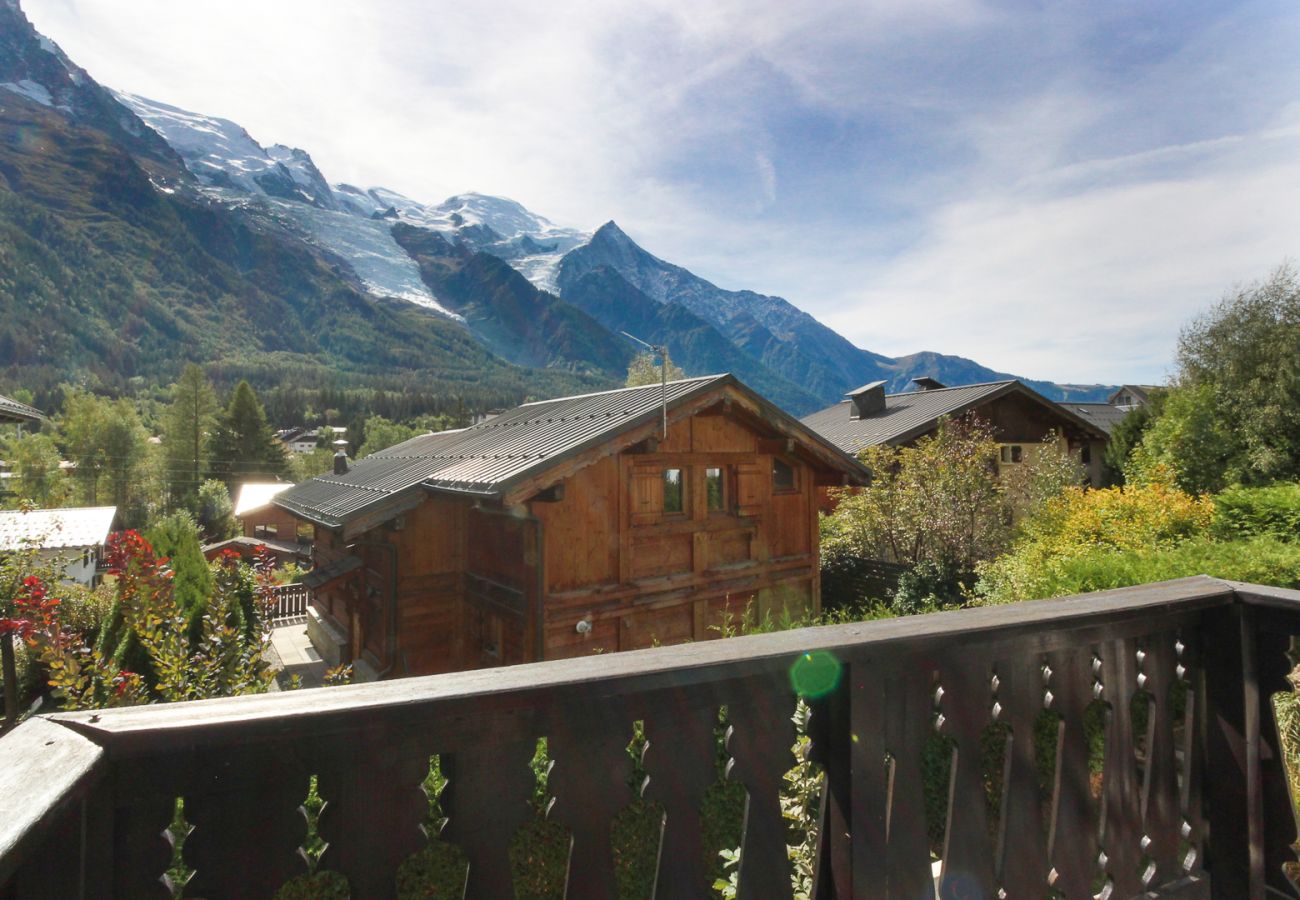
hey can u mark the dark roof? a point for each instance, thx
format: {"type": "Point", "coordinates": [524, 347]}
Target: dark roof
{"type": "Point", "coordinates": [488, 458]}
{"type": "Point", "coordinates": [909, 415]}
{"type": "Point", "coordinates": [13, 411]}
{"type": "Point", "coordinates": [1103, 415]}
{"type": "Point", "coordinates": [318, 578]}
{"type": "Point", "coordinates": [1141, 392]}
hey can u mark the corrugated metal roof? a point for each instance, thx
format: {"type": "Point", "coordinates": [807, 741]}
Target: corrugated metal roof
{"type": "Point", "coordinates": [489, 457]}
{"type": "Point", "coordinates": [13, 411]}
{"type": "Point", "coordinates": [903, 416]}
{"type": "Point", "coordinates": [483, 457]}
{"type": "Point", "coordinates": [55, 529]}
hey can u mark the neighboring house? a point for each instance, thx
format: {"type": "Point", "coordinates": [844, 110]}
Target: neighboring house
{"type": "Point", "coordinates": [75, 536]}
{"type": "Point", "coordinates": [567, 527]}
{"type": "Point", "coordinates": [11, 411]}
{"type": "Point", "coordinates": [298, 440]}
{"type": "Point", "coordinates": [259, 518]}
{"type": "Point", "coordinates": [1021, 419]}
{"type": "Point", "coordinates": [1130, 396]}
{"type": "Point", "coordinates": [1122, 402]}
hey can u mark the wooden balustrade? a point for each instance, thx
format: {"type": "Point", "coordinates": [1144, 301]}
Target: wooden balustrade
{"type": "Point", "coordinates": [1051, 776]}
{"type": "Point", "coordinates": [291, 601]}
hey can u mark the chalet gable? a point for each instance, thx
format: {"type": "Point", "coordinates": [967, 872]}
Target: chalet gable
{"type": "Point", "coordinates": [529, 449]}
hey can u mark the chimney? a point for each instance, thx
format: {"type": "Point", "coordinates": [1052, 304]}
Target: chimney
{"type": "Point", "coordinates": [340, 457]}
{"type": "Point", "coordinates": [867, 400]}
{"type": "Point", "coordinates": [926, 383]}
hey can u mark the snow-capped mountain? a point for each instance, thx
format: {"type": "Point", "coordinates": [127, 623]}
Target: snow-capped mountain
{"type": "Point", "coordinates": [534, 293]}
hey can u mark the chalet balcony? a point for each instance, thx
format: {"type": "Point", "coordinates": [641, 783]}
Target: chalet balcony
{"type": "Point", "coordinates": [1186, 798]}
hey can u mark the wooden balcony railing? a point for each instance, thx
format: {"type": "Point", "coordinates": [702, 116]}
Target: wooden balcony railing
{"type": "Point", "coordinates": [291, 601]}
{"type": "Point", "coordinates": [1187, 799]}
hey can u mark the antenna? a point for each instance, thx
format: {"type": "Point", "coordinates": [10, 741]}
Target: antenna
{"type": "Point", "coordinates": [662, 350]}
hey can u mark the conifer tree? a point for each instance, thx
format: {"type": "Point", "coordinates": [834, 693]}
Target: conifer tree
{"type": "Point", "coordinates": [187, 427]}
{"type": "Point", "coordinates": [243, 447]}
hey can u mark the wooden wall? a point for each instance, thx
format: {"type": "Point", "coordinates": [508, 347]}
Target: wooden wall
{"type": "Point", "coordinates": [641, 576]}
{"type": "Point", "coordinates": [473, 589]}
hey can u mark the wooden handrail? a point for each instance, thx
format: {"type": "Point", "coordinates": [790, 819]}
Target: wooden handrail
{"type": "Point", "coordinates": [242, 763]}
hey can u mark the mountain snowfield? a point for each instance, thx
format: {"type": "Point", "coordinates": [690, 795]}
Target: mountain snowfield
{"type": "Point", "coordinates": [349, 222]}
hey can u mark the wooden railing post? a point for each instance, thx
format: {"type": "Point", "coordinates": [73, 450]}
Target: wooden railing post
{"type": "Point", "coordinates": [1233, 855]}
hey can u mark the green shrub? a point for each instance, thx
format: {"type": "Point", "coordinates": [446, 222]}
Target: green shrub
{"type": "Point", "coordinates": [1242, 512]}
{"type": "Point", "coordinates": [1259, 560]}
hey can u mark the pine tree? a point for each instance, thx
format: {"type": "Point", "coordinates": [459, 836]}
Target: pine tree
{"type": "Point", "coordinates": [187, 426]}
{"type": "Point", "coordinates": [243, 447]}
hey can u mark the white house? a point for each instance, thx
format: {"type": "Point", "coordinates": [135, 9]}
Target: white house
{"type": "Point", "coordinates": [75, 537]}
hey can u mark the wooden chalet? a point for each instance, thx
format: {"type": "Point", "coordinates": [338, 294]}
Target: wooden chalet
{"type": "Point", "coordinates": [1021, 418]}
{"type": "Point", "coordinates": [569, 527]}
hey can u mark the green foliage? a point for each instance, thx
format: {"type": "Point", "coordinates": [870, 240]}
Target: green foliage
{"type": "Point", "coordinates": [938, 500]}
{"type": "Point", "coordinates": [108, 445]}
{"type": "Point", "coordinates": [176, 537]}
{"type": "Point", "coordinates": [1259, 560]}
{"type": "Point", "coordinates": [928, 586]}
{"type": "Point", "coordinates": [1241, 512]}
{"type": "Point", "coordinates": [222, 657]}
{"type": "Point", "coordinates": [940, 507]}
{"type": "Point", "coordinates": [1190, 439]}
{"type": "Point", "coordinates": [37, 476]}
{"type": "Point", "coordinates": [437, 870]}
{"type": "Point", "coordinates": [243, 446]}
{"type": "Point", "coordinates": [643, 370]}
{"type": "Point", "coordinates": [216, 514]}
{"type": "Point", "coordinates": [1126, 436]}
{"type": "Point", "coordinates": [187, 425]}
{"type": "Point", "coordinates": [1137, 518]}
{"type": "Point", "coordinates": [322, 885]}
{"type": "Point", "coordinates": [382, 434]}
{"type": "Point", "coordinates": [1246, 351]}
{"type": "Point", "coordinates": [539, 860]}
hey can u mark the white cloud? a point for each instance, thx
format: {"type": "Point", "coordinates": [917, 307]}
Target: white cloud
{"type": "Point", "coordinates": [1090, 285]}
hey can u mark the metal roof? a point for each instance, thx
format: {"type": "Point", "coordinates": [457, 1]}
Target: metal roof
{"type": "Point", "coordinates": [13, 411]}
{"type": "Point", "coordinates": [1103, 415]}
{"type": "Point", "coordinates": [487, 458]}
{"type": "Point", "coordinates": [55, 529]}
{"type": "Point", "coordinates": [910, 415]}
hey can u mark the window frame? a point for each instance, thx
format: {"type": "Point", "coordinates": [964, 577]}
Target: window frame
{"type": "Point", "coordinates": [683, 503]}
{"type": "Point", "coordinates": [724, 505]}
{"type": "Point", "coordinates": [793, 487]}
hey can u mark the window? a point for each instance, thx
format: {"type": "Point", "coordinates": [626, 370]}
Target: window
{"type": "Point", "coordinates": [265, 531]}
{"type": "Point", "coordinates": [306, 532]}
{"type": "Point", "coordinates": [1085, 455]}
{"type": "Point", "coordinates": [674, 496]}
{"type": "Point", "coordinates": [715, 489]}
{"type": "Point", "coordinates": [782, 476]}
{"type": "Point", "coordinates": [1012, 453]}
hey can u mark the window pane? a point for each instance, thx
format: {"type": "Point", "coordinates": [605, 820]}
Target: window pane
{"type": "Point", "coordinates": [1015, 453]}
{"type": "Point", "coordinates": [782, 475]}
{"type": "Point", "coordinates": [672, 490]}
{"type": "Point", "coordinates": [713, 485]}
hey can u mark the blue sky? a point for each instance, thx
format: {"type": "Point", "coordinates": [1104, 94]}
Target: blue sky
{"type": "Point", "coordinates": [1051, 189]}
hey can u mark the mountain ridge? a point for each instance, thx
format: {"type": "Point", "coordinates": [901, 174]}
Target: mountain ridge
{"type": "Point", "coordinates": [526, 288]}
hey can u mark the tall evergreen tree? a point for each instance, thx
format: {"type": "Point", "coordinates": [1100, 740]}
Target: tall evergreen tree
{"type": "Point", "coordinates": [243, 447]}
{"type": "Point", "coordinates": [187, 427]}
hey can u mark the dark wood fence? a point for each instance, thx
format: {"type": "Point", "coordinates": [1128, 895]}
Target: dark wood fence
{"type": "Point", "coordinates": [291, 602]}
{"type": "Point", "coordinates": [1187, 799]}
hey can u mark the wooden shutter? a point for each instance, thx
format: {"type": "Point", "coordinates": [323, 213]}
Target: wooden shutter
{"type": "Point", "coordinates": [750, 481]}
{"type": "Point", "coordinates": [647, 496]}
